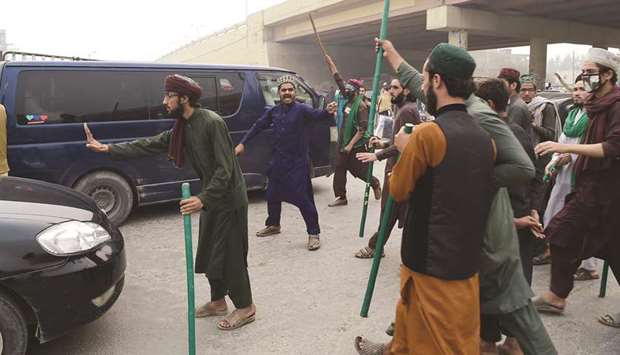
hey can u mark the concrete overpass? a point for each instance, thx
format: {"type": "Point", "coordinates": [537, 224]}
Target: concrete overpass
{"type": "Point", "coordinates": [282, 35]}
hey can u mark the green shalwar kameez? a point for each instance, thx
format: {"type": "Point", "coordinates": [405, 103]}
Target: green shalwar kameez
{"type": "Point", "coordinates": [504, 291]}
{"type": "Point", "coordinates": [223, 234]}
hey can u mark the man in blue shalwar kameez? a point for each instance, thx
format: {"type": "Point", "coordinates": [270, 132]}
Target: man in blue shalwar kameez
{"type": "Point", "coordinates": [289, 168]}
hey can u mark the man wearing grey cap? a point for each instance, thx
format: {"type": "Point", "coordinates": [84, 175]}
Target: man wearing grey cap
{"type": "Point", "coordinates": [588, 224]}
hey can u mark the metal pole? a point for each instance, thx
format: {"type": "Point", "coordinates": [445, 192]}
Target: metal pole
{"type": "Point", "coordinates": [376, 259]}
{"type": "Point", "coordinates": [603, 289]}
{"type": "Point", "coordinates": [373, 107]}
{"type": "Point", "coordinates": [189, 260]}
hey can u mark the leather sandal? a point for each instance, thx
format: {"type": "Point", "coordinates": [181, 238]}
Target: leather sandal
{"type": "Point", "coordinates": [267, 231]}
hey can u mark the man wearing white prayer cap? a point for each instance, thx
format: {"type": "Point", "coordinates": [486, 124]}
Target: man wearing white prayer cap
{"type": "Point", "coordinates": [588, 225]}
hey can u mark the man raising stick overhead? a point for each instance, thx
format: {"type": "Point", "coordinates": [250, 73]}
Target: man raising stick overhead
{"type": "Point", "coordinates": [201, 137]}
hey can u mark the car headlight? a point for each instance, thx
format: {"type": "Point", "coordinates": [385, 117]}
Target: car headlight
{"type": "Point", "coordinates": [72, 237]}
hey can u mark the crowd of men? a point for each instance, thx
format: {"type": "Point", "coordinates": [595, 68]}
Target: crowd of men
{"type": "Point", "coordinates": [467, 253]}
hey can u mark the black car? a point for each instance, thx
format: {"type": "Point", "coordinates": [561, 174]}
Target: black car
{"type": "Point", "coordinates": [62, 263]}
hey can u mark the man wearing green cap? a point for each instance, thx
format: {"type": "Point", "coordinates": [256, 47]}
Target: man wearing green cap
{"type": "Point", "coordinates": [438, 311]}
{"type": "Point", "coordinates": [504, 291]}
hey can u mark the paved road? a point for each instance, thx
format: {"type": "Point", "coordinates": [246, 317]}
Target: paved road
{"type": "Point", "coordinates": [308, 302]}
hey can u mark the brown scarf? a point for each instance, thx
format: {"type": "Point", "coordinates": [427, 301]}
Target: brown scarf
{"type": "Point", "coordinates": [598, 113]}
{"type": "Point", "coordinates": [175, 149]}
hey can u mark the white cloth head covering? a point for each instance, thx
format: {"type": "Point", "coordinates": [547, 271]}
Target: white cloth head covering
{"type": "Point", "coordinates": [603, 57]}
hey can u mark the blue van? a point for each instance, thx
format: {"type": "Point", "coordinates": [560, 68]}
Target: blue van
{"type": "Point", "coordinates": [47, 102]}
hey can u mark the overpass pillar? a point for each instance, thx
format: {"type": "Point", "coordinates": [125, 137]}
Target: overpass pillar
{"type": "Point", "coordinates": [458, 38]}
{"type": "Point", "coordinates": [538, 60]}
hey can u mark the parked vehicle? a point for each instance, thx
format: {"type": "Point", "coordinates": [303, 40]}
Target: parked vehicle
{"type": "Point", "coordinates": [62, 262]}
{"type": "Point", "coordinates": [562, 100]}
{"type": "Point", "coordinates": [47, 102]}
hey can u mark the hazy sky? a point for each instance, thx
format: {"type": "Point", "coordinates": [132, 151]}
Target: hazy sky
{"type": "Point", "coordinates": [131, 29]}
{"type": "Point", "coordinates": [115, 29]}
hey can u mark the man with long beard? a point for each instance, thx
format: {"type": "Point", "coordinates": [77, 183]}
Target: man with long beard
{"type": "Point", "coordinates": [588, 224]}
{"type": "Point", "coordinates": [438, 311]}
{"type": "Point", "coordinates": [504, 290]}
{"type": "Point", "coordinates": [201, 137]}
{"type": "Point", "coordinates": [289, 169]}
{"type": "Point", "coordinates": [405, 111]}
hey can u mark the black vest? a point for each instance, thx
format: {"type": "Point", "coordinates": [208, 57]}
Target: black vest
{"type": "Point", "coordinates": [448, 209]}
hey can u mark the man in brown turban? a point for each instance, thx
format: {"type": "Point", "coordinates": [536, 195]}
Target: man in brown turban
{"type": "Point", "coordinates": [200, 136]}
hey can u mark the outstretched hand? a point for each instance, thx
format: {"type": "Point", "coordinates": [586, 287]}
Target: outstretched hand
{"type": "Point", "coordinates": [92, 143]}
{"type": "Point", "coordinates": [549, 147]}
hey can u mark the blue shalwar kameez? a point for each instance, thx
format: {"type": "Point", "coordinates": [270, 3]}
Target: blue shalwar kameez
{"type": "Point", "coordinates": [289, 169]}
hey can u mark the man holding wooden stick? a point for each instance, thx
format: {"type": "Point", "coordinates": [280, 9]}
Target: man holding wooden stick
{"type": "Point", "coordinates": [352, 123]}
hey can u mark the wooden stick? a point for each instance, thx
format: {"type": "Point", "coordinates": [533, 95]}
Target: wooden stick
{"type": "Point", "coordinates": [316, 35]}
{"type": "Point", "coordinates": [567, 87]}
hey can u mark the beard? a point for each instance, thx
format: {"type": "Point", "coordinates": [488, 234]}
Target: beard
{"type": "Point", "coordinates": [430, 99]}
{"type": "Point", "coordinates": [398, 100]}
{"type": "Point", "coordinates": [176, 113]}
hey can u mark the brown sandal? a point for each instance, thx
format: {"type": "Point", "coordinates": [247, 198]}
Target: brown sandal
{"type": "Point", "coordinates": [235, 322]}
{"type": "Point", "coordinates": [206, 311]}
{"type": "Point", "coordinates": [545, 307]}
{"type": "Point", "coordinates": [267, 231]}
{"type": "Point", "coordinates": [367, 253]}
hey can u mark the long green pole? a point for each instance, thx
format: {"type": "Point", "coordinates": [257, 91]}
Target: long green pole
{"type": "Point", "coordinates": [373, 107]}
{"type": "Point", "coordinates": [376, 259]}
{"type": "Point", "coordinates": [603, 289]}
{"type": "Point", "coordinates": [189, 263]}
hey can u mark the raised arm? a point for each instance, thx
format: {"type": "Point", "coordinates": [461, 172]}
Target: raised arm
{"type": "Point", "coordinates": [408, 75]}
{"type": "Point", "coordinates": [337, 78]}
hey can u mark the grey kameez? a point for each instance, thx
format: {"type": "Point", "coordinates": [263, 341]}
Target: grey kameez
{"type": "Point", "coordinates": [223, 236]}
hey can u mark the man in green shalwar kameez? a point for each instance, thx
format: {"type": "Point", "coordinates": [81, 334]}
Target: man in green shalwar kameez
{"type": "Point", "coordinates": [504, 291]}
{"type": "Point", "coordinates": [201, 137]}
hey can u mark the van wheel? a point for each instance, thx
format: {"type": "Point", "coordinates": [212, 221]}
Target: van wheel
{"type": "Point", "coordinates": [13, 328]}
{"type": "Point", "coordinates": [111, 193]}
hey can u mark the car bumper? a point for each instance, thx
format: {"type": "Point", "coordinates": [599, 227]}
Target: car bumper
{"type": "Point", "coordinates": [75, 293]}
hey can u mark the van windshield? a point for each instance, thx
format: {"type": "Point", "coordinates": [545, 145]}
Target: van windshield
{"type": "Point", "coordinates": [269, 86]}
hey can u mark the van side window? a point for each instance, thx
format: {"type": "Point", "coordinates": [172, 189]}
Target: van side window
{"type": "Point", "coordinates": [229, 91]}
{"type": "Point", "coordinates": [269, 86]}
{"type": "Point", "coordinates": [73, 96]}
